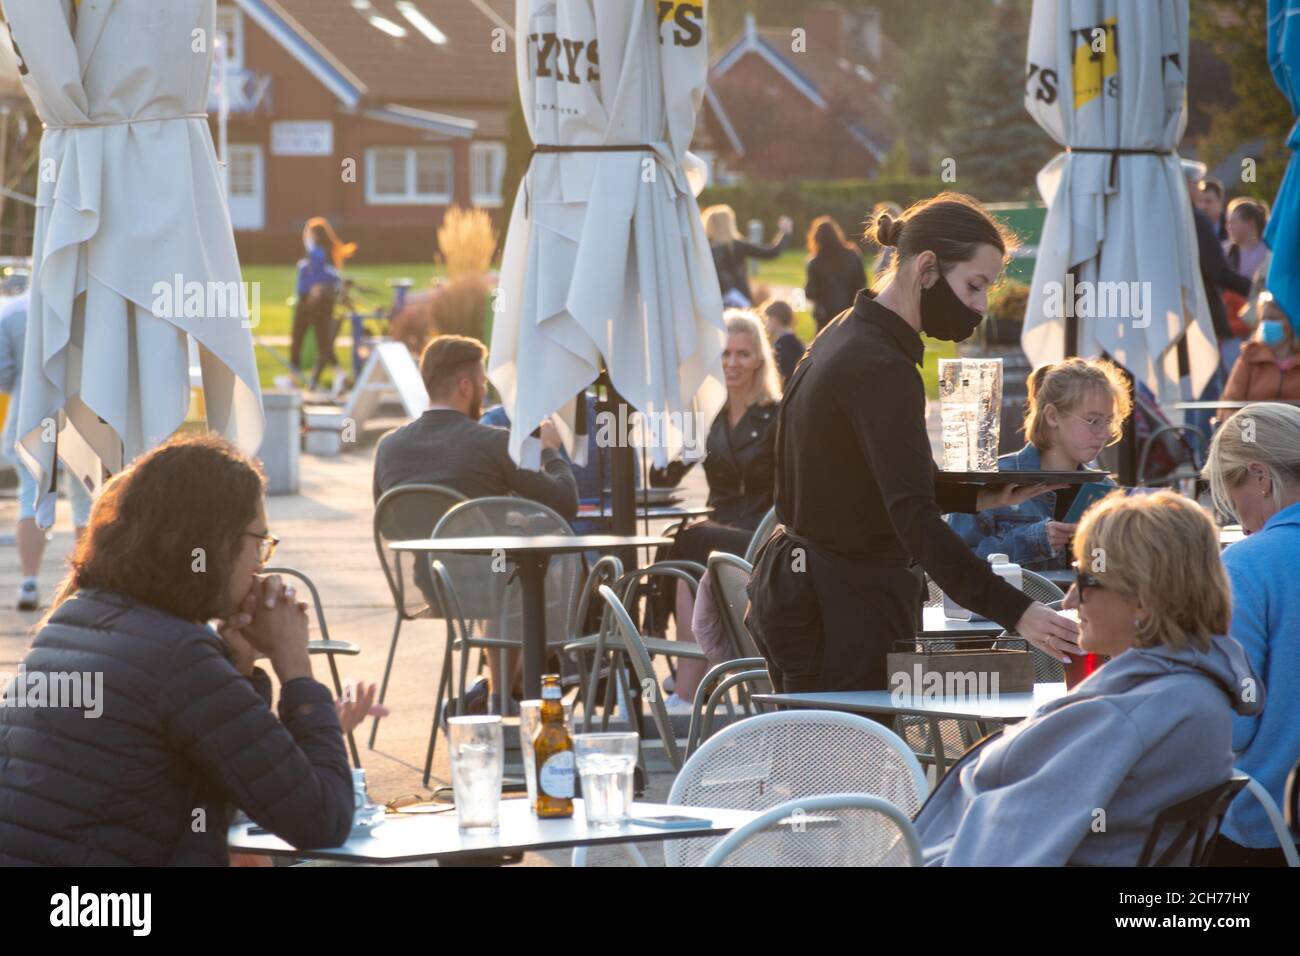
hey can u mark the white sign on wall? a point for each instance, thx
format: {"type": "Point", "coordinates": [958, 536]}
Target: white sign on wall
{"type": "Point", "coordinates": [302, 138]}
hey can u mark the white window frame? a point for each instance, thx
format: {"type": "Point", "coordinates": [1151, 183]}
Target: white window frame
{"type": "Point", "coordinates": [481, 148]}
{"type": "Point", "coordinates": [409, 197]}
{"type": "Point", "coordinates": [236, 31]}
{"type": "Point", "coordinates": [254, 152]}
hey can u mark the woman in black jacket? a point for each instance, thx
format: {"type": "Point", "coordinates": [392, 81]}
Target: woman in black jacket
{"type": "Point", "coordinates": [731, 253]}
{"type": "Point", "coordinates": [739, 464]}
{"type": "Point", "coordinates": [182, 729]}
{"type": "Point", "coordinates": [834, 270]}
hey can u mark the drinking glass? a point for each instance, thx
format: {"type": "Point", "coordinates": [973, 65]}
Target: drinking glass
{"type": "Point", "coordinates": [530, 718]}
{"type": "Point", "coordinates": [606, 764]}
{"type": "Point", "coordinates": [970, 409]}
{"type": "Point", "coordinates": [477, 762]}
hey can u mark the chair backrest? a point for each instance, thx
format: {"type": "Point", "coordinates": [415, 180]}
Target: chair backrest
{"type": "Point", "coordinates": [1281, 828]}
{"type": "Point", "coordinates": [763, 761]}
{"type": "Point", "coordinates": [1196, 820]}
{"type": "Point", "coordinates": [607, 570]}
{"type": "Point", "coordinates": [643, 668]}
{"type": "Point", "coordinates": [1039, 588]}
{"type": "Point", "coordinates": [730, 576]}
{"type": "Point", "coordinates": [761, 534]}
{"type": "Point", "coordinates": [1291, 799]}
{"type": "Point", "coordinates": [403, 513]}
{"type": "Point", "coordinates": [322, 629]}
{"type": "Point", "coordinates": [480, 580]}
{"type": "Point", "coordinates": [838, 829]}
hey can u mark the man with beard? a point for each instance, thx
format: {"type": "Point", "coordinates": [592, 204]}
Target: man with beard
{"type": "Point", "coordinates": [860, 515]}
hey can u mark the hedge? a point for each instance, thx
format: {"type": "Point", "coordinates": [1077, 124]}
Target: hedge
{"type": "Point", "coordinates": [849, 200]}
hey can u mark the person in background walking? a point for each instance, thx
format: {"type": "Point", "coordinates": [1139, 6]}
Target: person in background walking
{"type": "Point", "coordinates": [1210, 198]}
{"type": "Point", "coordinates": [319, 284]}
{"type": "Point", "coordinates": [787, 347]}
{"type": "Point", "coordinates": [834, 270]}
{"type": "Point", "coordinates": [1254, 474]}
{"type": "Point", "coordinates": [31, 539]}
{"type": "Point", "coordinates": [731, 253]}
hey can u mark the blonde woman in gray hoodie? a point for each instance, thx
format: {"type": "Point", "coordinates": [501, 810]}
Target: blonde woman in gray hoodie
{"type": "Point", "coordinates": [1081, 781]}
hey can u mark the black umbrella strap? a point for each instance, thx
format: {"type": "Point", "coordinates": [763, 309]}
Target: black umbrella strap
{"type": "Point", "coordinates": [1116, 152]}
{"type": "Point", "coordinates": [558, 148]}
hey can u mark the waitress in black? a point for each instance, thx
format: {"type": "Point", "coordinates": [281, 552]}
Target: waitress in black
{"type": "Point", "coordinates": [839, 581]}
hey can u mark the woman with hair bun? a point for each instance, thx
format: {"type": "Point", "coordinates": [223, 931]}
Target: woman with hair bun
{"type": "Point", "coordinates": [840, 579]}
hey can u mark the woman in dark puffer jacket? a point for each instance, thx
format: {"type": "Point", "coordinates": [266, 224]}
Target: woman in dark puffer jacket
{"type": "Point", "coordinates": [174, 727]}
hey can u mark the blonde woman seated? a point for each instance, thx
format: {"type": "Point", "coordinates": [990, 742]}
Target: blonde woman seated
{"type": "Point", "coordinates": [1081, 781]}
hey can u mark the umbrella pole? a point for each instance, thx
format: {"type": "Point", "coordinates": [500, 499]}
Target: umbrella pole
{"type": "Point", "coordinates": [622, 477]}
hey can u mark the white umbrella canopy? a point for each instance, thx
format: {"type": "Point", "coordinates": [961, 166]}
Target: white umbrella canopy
{"type": "Point", "coordinates": [133, 247]}
{"type": "Point", "coordinates": [1107, 79]}
{"type": "Point", "coordinates": [606, 261]}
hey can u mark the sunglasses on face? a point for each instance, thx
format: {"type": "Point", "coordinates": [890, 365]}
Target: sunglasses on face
{"type": "Point", "coordinates": [266, 545]}
{"type": "Point", "coordinates": [1084, 581]}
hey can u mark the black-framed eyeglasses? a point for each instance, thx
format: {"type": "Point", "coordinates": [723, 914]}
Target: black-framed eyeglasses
{"type": "Point", "coordinates": [1083, 580]}
{"type": "Point", "coordinates": [267, 543]}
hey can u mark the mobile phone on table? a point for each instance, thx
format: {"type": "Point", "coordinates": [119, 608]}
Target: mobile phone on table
{"type": "Point", "coordinates": [671, 822]}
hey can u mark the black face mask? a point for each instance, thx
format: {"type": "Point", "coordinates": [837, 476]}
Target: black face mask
{"type": "Point", "coordinates": [944, 316]}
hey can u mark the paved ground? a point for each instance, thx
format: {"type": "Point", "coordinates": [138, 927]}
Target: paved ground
{"type": "Point", "coordinates": [326, 531]}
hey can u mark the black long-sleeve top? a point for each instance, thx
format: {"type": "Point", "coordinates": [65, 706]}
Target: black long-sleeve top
{"type": "Point", "coordinates": [854, 473]}
{"type": "Point", "coordinates": [1216, 274]}
{"type": "Point", "coordinates": [731, 261]}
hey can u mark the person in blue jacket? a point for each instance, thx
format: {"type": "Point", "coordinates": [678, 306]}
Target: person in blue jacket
{"type": "Point", "coordinates": [1254, 475]}
{"type": "Point", "coordinates": [319, 284]}
{"type": "Point", "coordinates": [1075, 409]}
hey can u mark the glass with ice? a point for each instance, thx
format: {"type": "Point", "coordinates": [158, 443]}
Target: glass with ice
{"type": "Point", "coordinates": [530, 718]}
{"type": "Point", "coordinates": [606, 764]}
{"type": "Point", "coordinates": [477, 763]}
{"type": "Point", "coordinates": [970, 407]}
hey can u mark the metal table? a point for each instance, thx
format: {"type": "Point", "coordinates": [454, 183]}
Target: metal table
{"type": "Point", "coordinates": [531, 556]}
{"type": "Point", "coordinates": [1220, 403]}
{"type": "Point", "coordinates": [1002, 709]}
{"type": "Point", "coordinates": [411, 837]}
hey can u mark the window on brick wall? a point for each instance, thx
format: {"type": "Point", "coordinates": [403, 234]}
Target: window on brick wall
{"type": "Point", "coordinates": [409, 175]}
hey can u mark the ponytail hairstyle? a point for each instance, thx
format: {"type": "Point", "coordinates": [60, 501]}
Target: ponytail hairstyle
{"type": "Point", "coordinates": [335, 249]}
{"type": "Point", "coordinates": [951, 225]}
{"type": "Point", "coordinates": [1065, 385]}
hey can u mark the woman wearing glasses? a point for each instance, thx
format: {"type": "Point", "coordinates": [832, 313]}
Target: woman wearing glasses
{"type": "Point", "coordinates": [1075, 409]}
{"type": "Point", "coordinates": [162, 723]}
{"type": "Point", "coordinates": [1080, 781]}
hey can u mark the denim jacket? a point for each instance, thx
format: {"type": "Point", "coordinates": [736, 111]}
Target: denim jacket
{"type": "Point", "coordinates": [1018, 531]}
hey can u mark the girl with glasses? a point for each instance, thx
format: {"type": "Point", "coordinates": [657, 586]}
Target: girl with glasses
{"type": "Point", "coordinates": [1075, 409]}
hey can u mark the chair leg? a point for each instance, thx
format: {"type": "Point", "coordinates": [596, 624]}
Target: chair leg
{"type": "Point", "coordinates": [444, 687]}
{"type": "Point", "coordinates": [338, 693]}
{"type": "Point", "coordinates": [383, 685]}
{"type": "Point", "coordinates": [611, 679]}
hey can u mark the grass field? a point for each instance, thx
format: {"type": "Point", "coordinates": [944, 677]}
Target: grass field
{"type": "Point", "coordinates": [277, 291]}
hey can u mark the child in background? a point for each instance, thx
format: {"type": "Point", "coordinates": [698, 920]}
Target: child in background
{"type": "Point", "coordinates": [1075, 409]}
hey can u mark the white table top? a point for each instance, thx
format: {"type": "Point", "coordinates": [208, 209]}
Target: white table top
{"type": "Point", "coordinates": [520, 544]}
{"type": "Point", "coordinates": [1003, 707]}
{"type": "Point", "coordinates": [934, 624]}
{"type": "Point", "coordinates": [407, 837]}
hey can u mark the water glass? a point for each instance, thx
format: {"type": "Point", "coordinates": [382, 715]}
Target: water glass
{"type": "Point", "coordinates": [477, 763]}
{"type": "Point", "coordinates": [530, 718]}
{"type": "Point", "coordinates": [607, 765]}
{"type": "Point", "coordinates": [970, 409]}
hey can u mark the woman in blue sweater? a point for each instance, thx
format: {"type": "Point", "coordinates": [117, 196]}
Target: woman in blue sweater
{"type": "Point", "coordinates": [1074, 410]}
{"type": "Point", "coordinates": [1254, 475]}
{"type": "Point", "coordinates": [318, 289]}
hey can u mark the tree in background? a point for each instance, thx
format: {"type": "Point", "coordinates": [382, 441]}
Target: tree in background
{"type": "Point", "coordinates": [1237, 31]}
{"type": "Point", "coordinates": [997, 146]}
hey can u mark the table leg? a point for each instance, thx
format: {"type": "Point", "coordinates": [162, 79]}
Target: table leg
{"type": "Point", "coordinates": [532, 572]}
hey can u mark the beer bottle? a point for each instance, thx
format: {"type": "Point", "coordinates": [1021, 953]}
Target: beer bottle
{"type": "Point", "coordinates": [553, 755]}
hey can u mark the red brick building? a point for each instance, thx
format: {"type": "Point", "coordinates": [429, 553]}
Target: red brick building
{"type": "Point", "coordinates": [378, 114]}
{"type": "Point", "coordinates": [812, 103]}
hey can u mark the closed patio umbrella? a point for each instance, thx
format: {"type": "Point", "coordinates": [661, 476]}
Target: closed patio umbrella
{"type": "Point", "coordinates": [133, 247]}
{"type": "Point", "coordinates": [606, 263]}
{"type": "Point", "coordinates": [1107, 79]}
{"type": "Point", "coordinates": [1283, 232]}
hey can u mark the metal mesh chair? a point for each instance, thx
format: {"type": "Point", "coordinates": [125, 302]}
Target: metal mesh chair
{"type": "Point", "coordinates": [1196, 821]}
{"type": "Point", "coordinates": [761, 534]}
{"type": "Point", "coordinates": [487, 593]}
{"type": "Point", "coordinates": [759, 763]}
{"type": "Point", "coordinates": [324, 644]}
{"type": "Point", "coordinates": [404, 513]}
{"type": "Point", "coordinates": [839, 829]}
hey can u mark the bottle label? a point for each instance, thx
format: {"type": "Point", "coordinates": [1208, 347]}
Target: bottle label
{"type": "Point", "coordinates": [556, 776]}
{"type": "Point", "coordinates": [551, 692]}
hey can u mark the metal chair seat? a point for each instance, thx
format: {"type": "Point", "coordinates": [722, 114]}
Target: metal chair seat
{"type": "Point", "coordinates": [657, 646]}
{"type": "Point", "coordinates": [333, 647]}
